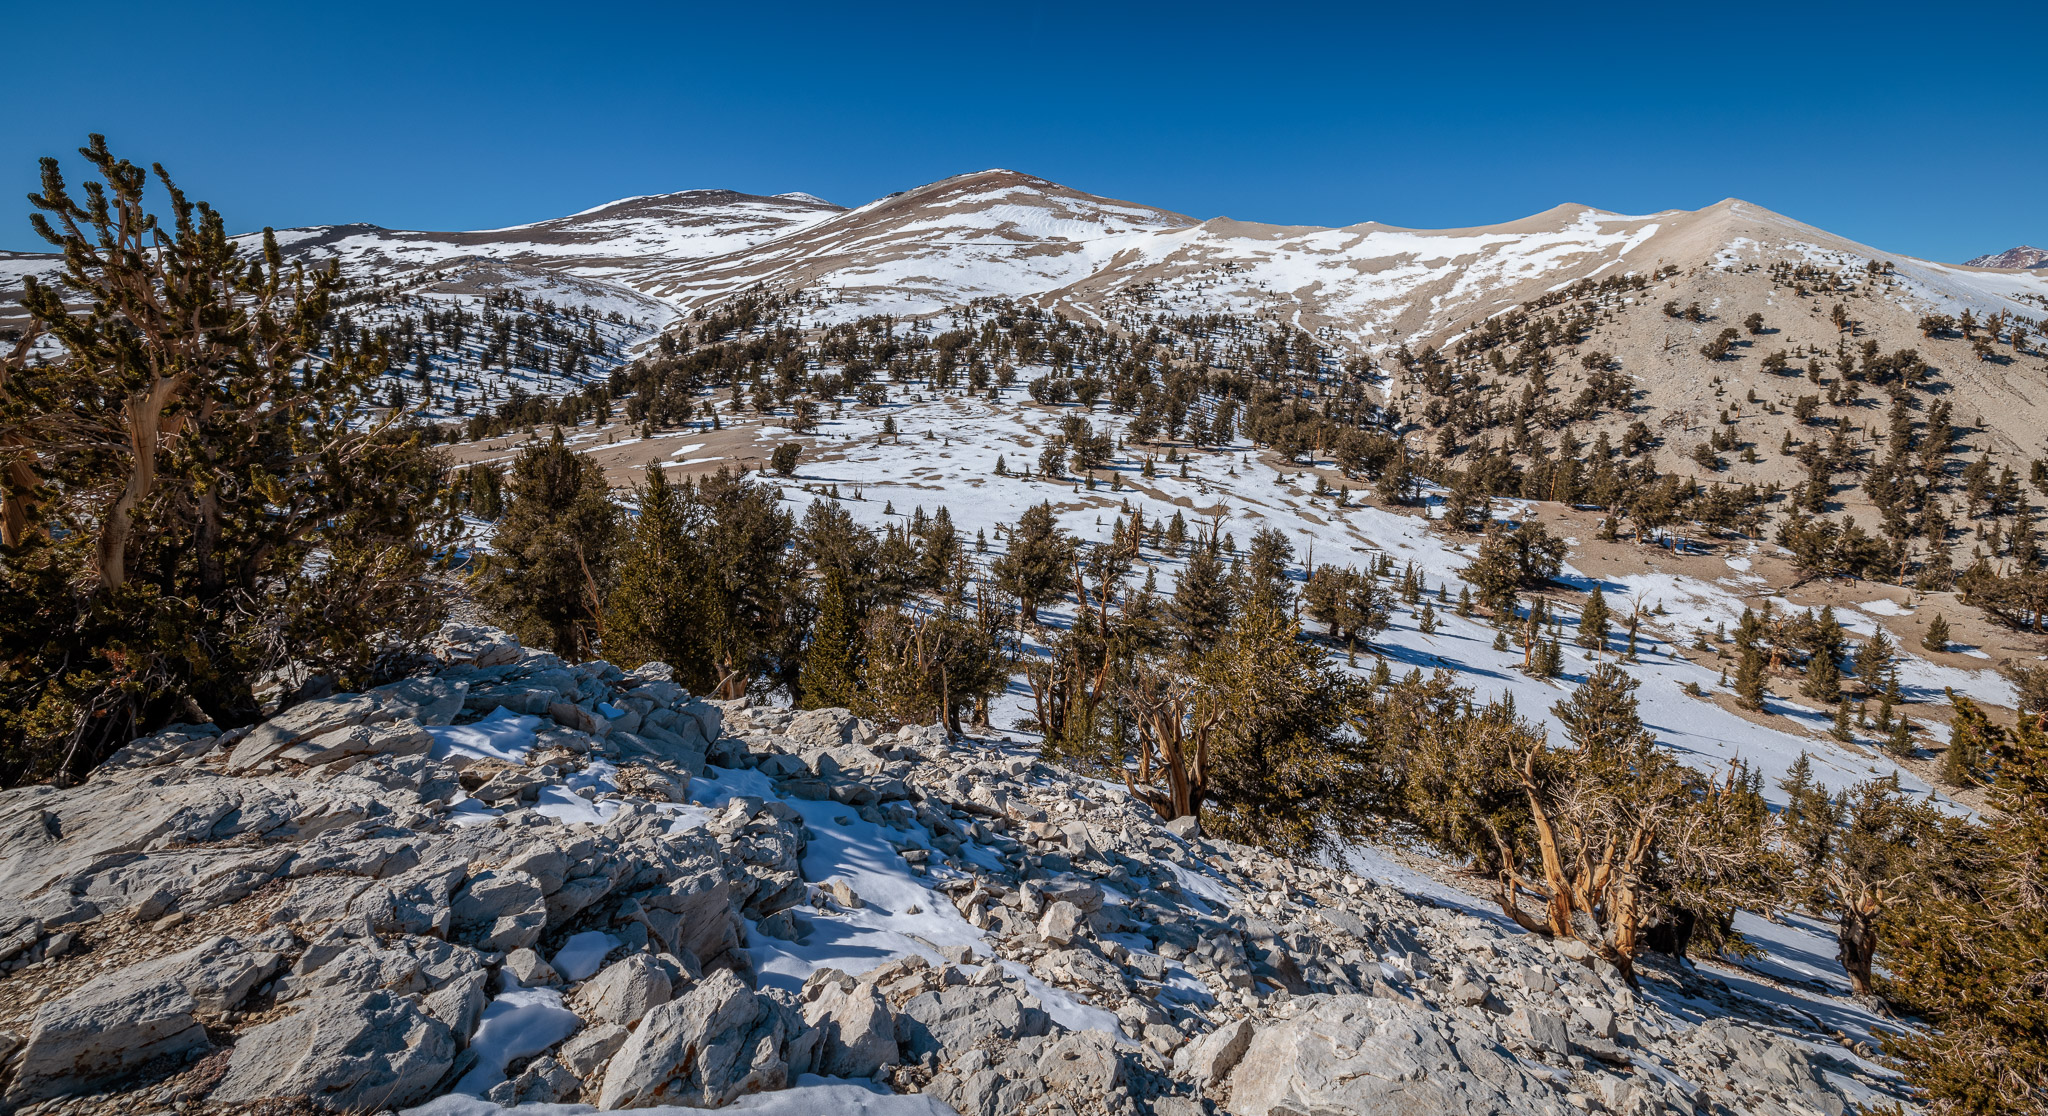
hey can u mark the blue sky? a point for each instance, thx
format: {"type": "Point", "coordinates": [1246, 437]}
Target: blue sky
{"type": "Point", "coordinates": [1915, 129]}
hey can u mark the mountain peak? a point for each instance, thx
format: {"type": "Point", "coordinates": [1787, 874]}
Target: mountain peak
{"type": "Point", "coordinates": [2021, 258]}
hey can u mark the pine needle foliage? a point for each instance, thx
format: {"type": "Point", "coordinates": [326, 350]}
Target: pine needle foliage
{"type": "Point", "coordinates": [198, 490]}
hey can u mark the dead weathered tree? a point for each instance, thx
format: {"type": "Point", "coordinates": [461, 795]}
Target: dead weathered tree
{"type": "Point", "coordinates": [1174, 726]}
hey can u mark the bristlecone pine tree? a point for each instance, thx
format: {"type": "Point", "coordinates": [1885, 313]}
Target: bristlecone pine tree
{"type": "Point", "coordinates": [168, 477]}
{"type": "Point", "coordinates": [1823, 679]}
{"type": "Point", "coordinates": [842, 557]}
{"type": "Point", "coordinates": [656, 612]}
{"type": "Point", "coordinates": [1749, 680]}
{"type": "Point", "coordinates": [1973, 740]}
{"type": "Point", "coordinates": [1036, 566]}
{"type": "Point", "coordinates": [552, 557]}
{"type": "Point", "coordinates": [1967, 953]}
{"type": "Point", "coordinates": [1594, 620]}
{"type": "Point", "coordinates": [1850, 858]}
{"type": "Point", "coordinates": [1937, 636]}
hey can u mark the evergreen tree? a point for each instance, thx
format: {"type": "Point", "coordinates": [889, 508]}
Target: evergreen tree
{"type": "Point", "coordinates": [841, 554]}
{"type": "Point", "coordinates": [1937, 636]}
{"type": "Point", "coordinates": [552, 556]}
{"type": "Point", "coordinates": [174, 454]}
{"type": "Point", "coordinates": [1266, 583]}
{"type": "Point", "coordinates": [1594, 620]}
{"type": "Point", "coordinates": [1966, 952]}
{"type": "Point", "coordinates": [1823, 679]}
{"type": "Point", "coordinates": [1848, 857]}
{"type": "Point", "coordinates": [656, 612]}
{"type": "Point", "coordinates": [1874, 660]}
{"type": "Point", "coordinates": [758, 615]}
{"type": "Point", "coordinates": [1039, 562]}
{"type": "Point", "coordinates": [1900, 742]}
{"type": "Point", "coordinates": [1202, 605]}
{"type": "Point", "coordinates": [1278, 768]}
{"type": "Point", "coordinates": [1973, 739]}
{"type": "Point", "coordinates": [1749, 680]}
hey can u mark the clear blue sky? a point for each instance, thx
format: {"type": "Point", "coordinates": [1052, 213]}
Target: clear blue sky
{"type": "Point", "coordinates": [1918, 129]}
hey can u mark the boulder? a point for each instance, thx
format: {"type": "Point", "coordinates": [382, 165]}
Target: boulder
{"type": "Point", "coordinates": [307, 719]}
{"type": "Point", "coordinates": [357, 1053]}
{"type": "Point", "coordinates": [122, 1019]}
{"type": "Point", "coordinates": [459, 1004]}
{"type": "Point", "coordinates": [578, 718]}
{"type": "Point", "coordinates": [1365, 1056]}
{"type": "Point", "coordinates": [1599, 1020]}
{"type": "Point", "coordinates": [1544, 1030]}
{"type": "Point", "coordinates": [591, 1047]}
{"type": "Point", "coordinates": [679, 744]}
{"type": "Point", "coordinates": [624, 991]}
{"type": "Point", "coordinates": [1082, 892]}
{"type": "Point", "coordinates": [951, 1021]}
{"type": "Point", "coordinates": [519, 697]}
{"type": "Point", "coordinates": [720, 1041]}
{"type": "Point", "coordinates": [1082, 1064]}
{"type": "Point", "coordinates": [392, 738]}
{"type": "Point", "coordinates": [857, 1031]}
{"type": "Point", "coordinates": [528, 970]}
{"type": "Point", "coordinates": [500, 909]}
{"type": "Point", "coordinates": [543, 1081]}
{"type": "Point", "coordinates": [824, 729]}
{"type": "Point", "coordinates": [850, 760]}
{"type": "Point", "coordinates": [432, 701]}
{"type": "Point", "coordinates": [175, 744]}
{"type": "Point", "coordinates": [1466, 991]}
{"type": "Point", "coordinates": [358, 967]}
{"type": "Point", "coordinates": [1211, 1057]}
{"type": "Point", "coordinates": [1061, 923]}
{"type": "Point", "coordinates": [19, 929]}
{"type": "Point", "coordinates": [693, 911]}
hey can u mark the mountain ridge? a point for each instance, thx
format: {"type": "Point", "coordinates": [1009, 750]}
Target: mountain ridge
{"type": "Point", "coordinates": [2023, 257]}
{"type": "Point", "coordinates": [1006, 233]}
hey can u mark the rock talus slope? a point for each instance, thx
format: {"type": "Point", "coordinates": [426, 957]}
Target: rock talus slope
{"type": "Point", "coordinates": [587, 885]}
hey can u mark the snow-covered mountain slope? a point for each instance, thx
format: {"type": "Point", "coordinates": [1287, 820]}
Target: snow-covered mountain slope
{"type": "Point", "coordinates": [1367, 288]}
{"type": "Point", "coordinates": [598, 258]}
{"type": "Point", "coordinates": [1003, 233]}
{"type": "Point", "coordinates": [619, 240]}
{"type": "Point", "coordinates": [947, 454]}
{"type": "Point", "coordinates": [1009, 234]}
{"type": "Point", "coordinates": [2024, 256]}
{"type": "Point", "coordinates": [996, 233]}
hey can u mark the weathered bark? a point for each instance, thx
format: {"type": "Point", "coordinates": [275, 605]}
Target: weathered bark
{"type": "Point", "coordinates": [1558, 911]}
{"type": "Point", "coordinates": [17, 495]}
{"type": "Point", "coordinates": [1858, 938]}
{"type": "Point", "coordinates": [1180, 738]}
{"type": "Point", "coordinates": [143, 413]}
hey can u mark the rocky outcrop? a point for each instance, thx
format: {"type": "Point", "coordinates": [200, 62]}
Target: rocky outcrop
{"type": "Point", "coordinates": [719, 1042]}
{"type": "Point", "coordinates": [856, 1027]}
{"type": "Point", "coordinates": [489, 878]}
{"type": "Point", "coordinates": [1369, 1055]}
{"type": "Point", "coordinates": [343, 1053]}
{"type": "Point", "coordinates": [133, 1016]}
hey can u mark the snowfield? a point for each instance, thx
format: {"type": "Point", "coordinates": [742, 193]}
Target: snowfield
{"type": "Point", "coordinates": [945, 455]}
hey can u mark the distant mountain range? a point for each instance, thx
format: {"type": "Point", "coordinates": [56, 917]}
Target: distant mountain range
{"type": "Point", "coordinates": [1002, 233]}
{"type": "Point", "coordinates": [2020, 258]}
